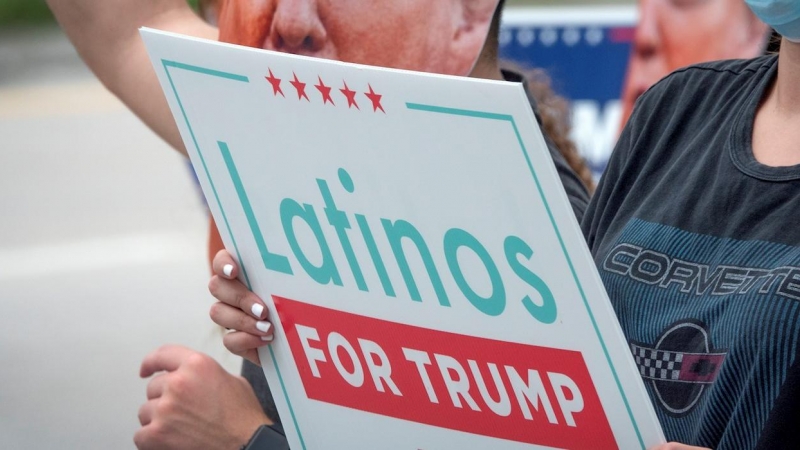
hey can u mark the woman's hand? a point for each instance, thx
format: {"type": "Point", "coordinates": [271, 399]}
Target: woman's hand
{"type": "Point", "coordinates": [192, 402]}
{"type": "Point", "coordinates": [238, 309]}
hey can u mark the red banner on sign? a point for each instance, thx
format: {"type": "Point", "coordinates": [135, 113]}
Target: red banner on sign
{"type": "Point", "coordinates": [505, 390]}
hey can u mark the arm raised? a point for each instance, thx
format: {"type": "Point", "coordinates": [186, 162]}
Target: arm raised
{"type": "Point", "coordinates": [106, 35]}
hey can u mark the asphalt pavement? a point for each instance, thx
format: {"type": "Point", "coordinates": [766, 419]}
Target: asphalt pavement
{"type": "Point", "coordinates": [102, 253]}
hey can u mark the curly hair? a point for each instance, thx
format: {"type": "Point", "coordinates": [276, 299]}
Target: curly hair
{"type": "Point", "coordinates": [556, 119]}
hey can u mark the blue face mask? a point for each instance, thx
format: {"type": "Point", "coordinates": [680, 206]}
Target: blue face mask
{"type": "Point", "coordinates": [782, 15]}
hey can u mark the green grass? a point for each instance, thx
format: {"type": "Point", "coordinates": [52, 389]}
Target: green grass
{"type": "Point", "coordinates": [32, 12]}
{"type": "Point", "coordinates": [35, 12]}
{"type": "Point", "coordinates": [24, 12]}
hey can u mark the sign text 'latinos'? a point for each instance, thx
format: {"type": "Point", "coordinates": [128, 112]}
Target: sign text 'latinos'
{"type": "Point", "coordinates": [396, 232]}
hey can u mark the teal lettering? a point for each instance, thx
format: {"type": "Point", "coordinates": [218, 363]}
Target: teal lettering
{"type": "Point", "coordinates": [324, 273]}
{"type": "Point", "coordinates": [547, 312]}
{"type": "Point", "coordinates": [376, 256]}
{"type": "Point", "coordinates": [395, 232]}
{"type": "Point", "coordinates": [272, 261]}
{"type": "Point", "coordinates": [338, 220]}
{"type": "Point", "coordinates": [492, 305]}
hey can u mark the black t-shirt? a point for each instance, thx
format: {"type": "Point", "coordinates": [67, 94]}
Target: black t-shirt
{"type": "Point", "coordinates": [698, 246]}
{"type": "Point", "coordinates": [576, 192]}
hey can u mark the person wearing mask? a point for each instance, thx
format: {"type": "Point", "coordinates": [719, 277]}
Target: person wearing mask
{"type": "Point", "coordinates": [693, 230]}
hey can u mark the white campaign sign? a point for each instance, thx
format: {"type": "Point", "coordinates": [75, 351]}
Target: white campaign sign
{"type": "Point", "coordinates": [429, 285]}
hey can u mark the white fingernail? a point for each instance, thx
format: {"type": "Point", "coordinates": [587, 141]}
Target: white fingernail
{"type": "Point", "coordinates": [263, 326]}
{"type": "Point", "coordinates": [227, 269]}
{"type": "Point", "coordinates": [257, 309]}
{"type": "Point", "coordinates": [267, 338]}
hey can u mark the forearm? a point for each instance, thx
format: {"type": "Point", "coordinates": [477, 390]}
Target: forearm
{"type": "Point", "coordinates": [106, 35]}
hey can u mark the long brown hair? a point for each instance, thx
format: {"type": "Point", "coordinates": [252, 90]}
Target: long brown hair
{"type": "Point", "coordinates": [774, 43]}
{"type": "Point", "coordinates": [553, 109]}
{"type": "Point", "coordinates": [556, 119]}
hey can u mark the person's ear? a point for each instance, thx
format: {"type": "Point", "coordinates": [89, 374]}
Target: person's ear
{"type": "Point", "coordinates": [472, 23]}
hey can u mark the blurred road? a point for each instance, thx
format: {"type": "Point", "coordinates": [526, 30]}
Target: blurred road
{"type": "Point", "coordinates": [102, 253]}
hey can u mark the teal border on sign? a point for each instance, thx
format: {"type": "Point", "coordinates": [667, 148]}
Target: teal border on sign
{"type": "Point", "coordinates": [510, 119]}
{"type": "Point", "coordinates": [411, 106]}
{"type": "Point", "coordinates": [240, 78]}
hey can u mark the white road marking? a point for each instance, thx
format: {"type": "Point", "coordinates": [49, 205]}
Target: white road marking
{"type": "Point", "coordinates": [100, 253]}
{"type": "Point", "coordinates": [65, 99]}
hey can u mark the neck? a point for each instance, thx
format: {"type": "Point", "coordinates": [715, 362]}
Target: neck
{"type": "Point", "coordinates": [486, 70]}
{"type": "Point", "coordinates": [775, 132]}
{"type": "Point", "coordinates": [787, 85]}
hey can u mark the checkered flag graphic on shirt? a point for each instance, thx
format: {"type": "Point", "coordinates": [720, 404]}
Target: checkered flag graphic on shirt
{"type": "Point", "coordinates": [657, 364]}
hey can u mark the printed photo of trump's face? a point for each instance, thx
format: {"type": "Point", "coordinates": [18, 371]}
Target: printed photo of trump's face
{"type": "Point", "coordinates": [440, 36]}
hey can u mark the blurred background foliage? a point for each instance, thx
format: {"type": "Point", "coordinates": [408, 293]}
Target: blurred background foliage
{"type": "Point", "coordinates": [24, 12]}
{"type": "Point", "coordinates": [31, 12]}
{"type": "Point", "coordinates": [35, 12]}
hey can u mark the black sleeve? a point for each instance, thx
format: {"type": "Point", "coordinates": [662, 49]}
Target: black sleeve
{"type": "Point", "coordinates": [576, 191]}
{"type": "Point", "coordinates": [624, 166]}
{"type": "Point", "coordinates": [601, 208]}
{"type": "Point", "coordinates": [255, 376]}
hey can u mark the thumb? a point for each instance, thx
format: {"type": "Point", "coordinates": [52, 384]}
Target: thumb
{"type": "Point", "coordinates": [167, 357]}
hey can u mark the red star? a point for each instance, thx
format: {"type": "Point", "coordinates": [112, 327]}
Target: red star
{"type": "Point", "coordinates": [351, 96]}
{"type": "Point", "coordinates": [300, 86]}
{"type": "Point", "coordinates": [375, 99]}
{"type": "Point", "coordinates": [325, 91]}
{"type": "Point", "coordinates": [276, 84]}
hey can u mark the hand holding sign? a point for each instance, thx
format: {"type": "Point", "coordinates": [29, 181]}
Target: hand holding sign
{"type": "Point", "coordinates": [194, 403]}
{"type": "Point", "coordinates": [238, 309]}
{"type": "Point", "coordinates": [238, 304]}
{"type": "Point", "coordinates": [420, 261]}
